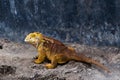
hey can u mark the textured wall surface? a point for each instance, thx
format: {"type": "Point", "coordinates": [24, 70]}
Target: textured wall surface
{"type": "Point", "coordinates": [91, 22]}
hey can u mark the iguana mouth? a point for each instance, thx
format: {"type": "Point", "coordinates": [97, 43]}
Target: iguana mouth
{"type": "Point", "coordinates": [27, 41]}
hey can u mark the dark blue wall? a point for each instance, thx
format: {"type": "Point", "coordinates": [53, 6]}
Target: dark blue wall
{"type": "Point", "coordinates": [91, 22]}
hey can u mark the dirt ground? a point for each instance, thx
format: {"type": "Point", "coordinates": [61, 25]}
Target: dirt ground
{"type": "Point", "coordinates": [16, 63]}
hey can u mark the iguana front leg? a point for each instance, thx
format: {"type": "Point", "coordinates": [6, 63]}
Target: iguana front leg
{"type": "Point", "coordinates": [41, 56]}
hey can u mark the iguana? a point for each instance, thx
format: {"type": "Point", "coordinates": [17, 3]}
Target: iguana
{"type": "Point", "coordinates": [56, 51]}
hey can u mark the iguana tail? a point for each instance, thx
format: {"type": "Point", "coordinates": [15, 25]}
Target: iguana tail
{"type": "Point", "coordinates": [83, 58]}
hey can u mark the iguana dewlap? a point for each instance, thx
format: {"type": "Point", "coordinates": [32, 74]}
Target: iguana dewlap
{"type": "Point", "coordinates": [56, 51]}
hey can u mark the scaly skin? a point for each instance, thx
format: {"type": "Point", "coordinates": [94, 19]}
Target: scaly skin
{"type": "Point", "coordinates": [56, 51]}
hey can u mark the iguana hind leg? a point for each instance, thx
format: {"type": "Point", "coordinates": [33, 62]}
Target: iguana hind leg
{"type": "Point", "coordinates": [60, 59]}
{"type": "Point", "coordinates": [53, 63]}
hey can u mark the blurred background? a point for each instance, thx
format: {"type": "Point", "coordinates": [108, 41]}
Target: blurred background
{"type": "Point", "coordinates": [89, 22]}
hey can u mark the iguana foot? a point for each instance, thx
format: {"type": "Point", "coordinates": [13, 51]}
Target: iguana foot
{"type": "Point", "coordinates": [37, 61]}
{"type": "Point", "coordinates": [50, 66]}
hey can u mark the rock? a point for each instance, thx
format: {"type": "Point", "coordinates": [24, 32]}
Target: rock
{"type": "Point", "coordinates": [16, 63]}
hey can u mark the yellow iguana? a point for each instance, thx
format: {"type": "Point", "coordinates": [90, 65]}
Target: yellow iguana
{"type": "Point", "coordinates": [56, 51]}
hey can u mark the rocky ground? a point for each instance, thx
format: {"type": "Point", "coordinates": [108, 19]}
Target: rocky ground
{"type": "Point", "coordinates": [16, 63]}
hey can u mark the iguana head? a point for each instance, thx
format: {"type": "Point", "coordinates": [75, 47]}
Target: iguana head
{"type": "Point", "coordinates": [34, 38]}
